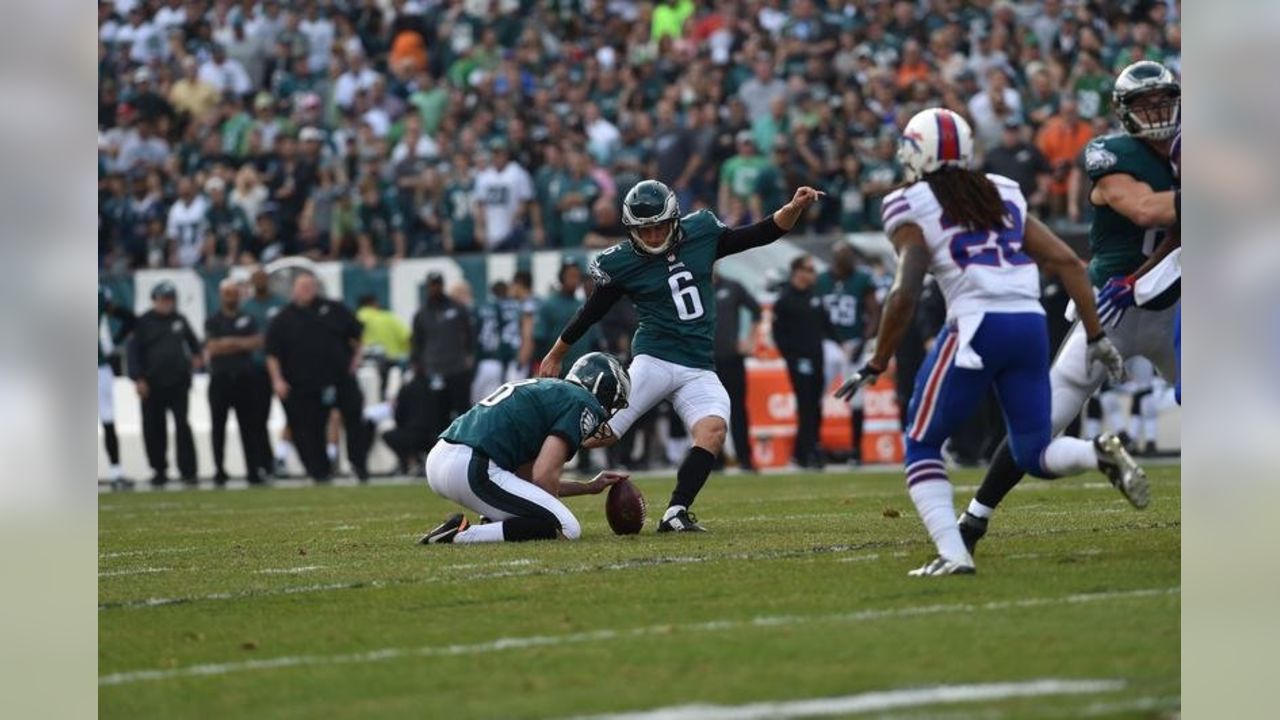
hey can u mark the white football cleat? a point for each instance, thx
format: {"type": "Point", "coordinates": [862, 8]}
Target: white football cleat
{"type": "Point", "coordinates": [943, 566]}
{"type": "Point", "coordinates": [1119, 467]}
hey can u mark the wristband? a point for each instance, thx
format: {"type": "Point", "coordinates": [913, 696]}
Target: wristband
{"type": "Point", "coordinates": [1096, 338]}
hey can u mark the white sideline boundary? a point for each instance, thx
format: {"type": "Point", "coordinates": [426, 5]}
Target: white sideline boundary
{"type": "Point", "coordinates": [877, 701]}
{"type": "Point", "coordinates": [535, 641]}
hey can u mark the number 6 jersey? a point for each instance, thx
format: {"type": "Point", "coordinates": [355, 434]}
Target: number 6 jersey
{"type": "Point", "coordinates": [979, 271]}
{"type": "Point", "coordinates": [675, 302]}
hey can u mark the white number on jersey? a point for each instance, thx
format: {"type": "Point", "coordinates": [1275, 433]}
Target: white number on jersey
{"type": "Point", "coordinates": [688, 301]}
{"type": "Point", "coordinates": [505, 392]}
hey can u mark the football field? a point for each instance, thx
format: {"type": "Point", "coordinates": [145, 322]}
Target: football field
{"type": "Point", "coordinates": [317, 603]}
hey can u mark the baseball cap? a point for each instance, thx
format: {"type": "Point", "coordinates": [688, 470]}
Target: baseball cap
{"type": "Point", "coordinates": [164, 288]}
{"type": "Point", "coordinates": [435, 277]}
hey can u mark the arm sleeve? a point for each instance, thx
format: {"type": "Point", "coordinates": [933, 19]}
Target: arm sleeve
{"type": "Point", "coordinates": [127, 322]}
{"type": "Point", "coordinates": [272, 340]}
{"type": "Point", "coordinates": [192, 342]}
{"type": "Point", "coordinates": [133, 352]}
{"type": "Point", "coordinates": [601, 299]}
{"type": "Point", "coordinates": [735, 240]}
{"type": "Point", "coordinates": [781, 326]}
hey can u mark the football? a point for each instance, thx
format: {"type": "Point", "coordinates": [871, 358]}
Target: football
{"type": "Point", "coordinates": [624, 508]}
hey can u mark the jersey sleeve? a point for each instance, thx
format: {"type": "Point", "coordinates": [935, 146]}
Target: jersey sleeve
{"type": "Point", "coordinates": [575, 423]}
{"type": "Point", "coordinates": [1106, 156]}
{"type": "Point", "coordinates": [897, 211]}
{"type": "Point", "coordinates": [607, 267]}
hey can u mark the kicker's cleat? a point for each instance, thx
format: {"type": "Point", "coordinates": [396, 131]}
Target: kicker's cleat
{"type": "Point", "coordinates": [943, 566]}
{"type": "Point", "coordinates": [972, 528]}
{"type": "Point", "coordinates": [682, 521]}
{"type": "Point", "coordinates": [1121, 470]}
{"type": "Point", "coordinates": [446, 531]}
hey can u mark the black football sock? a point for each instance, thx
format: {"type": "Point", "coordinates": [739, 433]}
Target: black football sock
{"type": "Point", "coordinates": [1001, 477]}
{"type": "Point", "coordinates": [112, 442]}
{"type": "Point", "coordinates": [521, 529]}
{"type": "Point", "coordinates": [691, 476]}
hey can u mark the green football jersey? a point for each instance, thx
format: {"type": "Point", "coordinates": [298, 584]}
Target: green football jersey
{"type": "Point", "coordinates": [457, 206]}
{"type": "Point", "coordinates": [488, 329]}
{"type": "Point", "coordinates": [843, 301]}
{"type": "Point", "coordinates": [674, 300]}
{"type": "Point", "coordinates": [1117, 246]}
{"type": "Point", "coordinates": [575, 221]}
{"type": "Point", "coordinates": [512, 423]}
{"type": "Point", "coordinates": [546, 186]}
{"type": "Point", "coordinates": [263, 312]}
{"type": "Point", "coordinates": [513, 311]}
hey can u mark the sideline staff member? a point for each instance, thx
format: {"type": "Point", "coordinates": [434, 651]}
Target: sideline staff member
{"type": "Point", "coordinates": [232, 337]}
{"type": "Point", "coordinates": [162, 352]}
{"type": "Point", "coordinates": [800, 324]}
{"type": "Point", "coordinates": [313, 348]}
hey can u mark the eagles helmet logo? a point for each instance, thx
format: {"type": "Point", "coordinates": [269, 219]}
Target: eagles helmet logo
{"type": "Point", "coordinates": [588, 423]}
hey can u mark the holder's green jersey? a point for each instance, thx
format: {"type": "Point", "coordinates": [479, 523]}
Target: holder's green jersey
{"type": "Point", "coordinates": [1117, 246]}
{"type": "Point", "coordinates": [672, 293]}
{"type": "Point", "coordinates": [512, 423]}
{"type": "Point", "coordinates": [843, 300]}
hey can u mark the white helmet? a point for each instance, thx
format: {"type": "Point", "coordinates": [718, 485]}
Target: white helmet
{"type": "Point", "coordinates": [934, 138]}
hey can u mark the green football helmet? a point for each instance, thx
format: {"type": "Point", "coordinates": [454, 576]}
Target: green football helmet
{"type": "Point", "coordinates": [603, 376]}
{"type": "Point", "coordinates": [1148, 100]}
{"type": "Point", "coordinates": [647, 204]}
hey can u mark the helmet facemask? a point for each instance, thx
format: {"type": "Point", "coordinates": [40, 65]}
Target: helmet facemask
{"type": "Point", "coordinates": [1152, 114]}
{"type": "Point", "coordinates": [668, 238]}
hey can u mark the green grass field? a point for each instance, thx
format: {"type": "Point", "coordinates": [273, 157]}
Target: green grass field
{"type": "Point", "coordinates": [316, 603]}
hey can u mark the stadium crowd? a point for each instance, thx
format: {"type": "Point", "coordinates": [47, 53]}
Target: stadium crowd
{"type": "Point", "coordinates": [370, 130]}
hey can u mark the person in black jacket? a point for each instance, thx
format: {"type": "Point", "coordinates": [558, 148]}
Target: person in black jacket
{"type": "Point", "coordinates": [237, 382]}
{"type": "Point", "coordinates": [162, 354]}
{"type": "Point", "coordinates": [731, 352]}
{"type": "Point", "coordinates": [313, 349]}
{"type": "Point", "coordinates": [800, 323]}
{"type": "Point", "coordinates": [108, 367]}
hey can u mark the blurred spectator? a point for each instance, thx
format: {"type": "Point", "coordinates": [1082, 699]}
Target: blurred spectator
{"type": "Point", "coordinates": [443, 358]}
{"type": "Point", "coordinates": [162, 353]}
{"type": "Point", "coordinates": [224, 74]}
{"type": "Point", "coordinates": [504, 193]}
{"type": "Point", "coordinates": [227, 226]}
{"type": "Point", "coordinates": [993, 106]}
{"type": "Point", "coordinates": [385, 339]}
{"type": "Point", "coordinates": [232, 336]}
{"type": "Point", "coordinates": [186, 226]}
{"type": "Point", "coordinates": [191, 94]}
{"type": "Point", "coordinates": [739, 173]}
{"type": "Point", "coordinates": [732, 347]}
{"type": "Point", "coordinates": [761, 91]}
{"type": "Point", "coordinates": [800, 324]}
{"type": "Point", "coordinates": [1022, 162]}
{"type": "Point", "coordinates": [313, 349]}
{"type": "Point", "coordinates": [1061, 140]}
{"type": "Point", "coordinates": [578, 192]}
{"type": "Point", "coordinates": [461, 227]}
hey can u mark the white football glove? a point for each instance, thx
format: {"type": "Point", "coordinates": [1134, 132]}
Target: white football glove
{"type": "Point", "coordinates": [865, 375]}
{"type": "Point", "coordinates": [1100, 350]}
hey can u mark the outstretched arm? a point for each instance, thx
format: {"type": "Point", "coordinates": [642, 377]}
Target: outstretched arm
{"type": "Point", "coordinates": [599, 302]}
{"type": "Point", "coordinates": [735, 240]}
{"type": "Point", "coordinates": [900, 305]}
{"type": "Point", "coordinates": [1136, 200]}
{"type": "Point", "coordinates": [1057, 258]}
{"type": "Point", "coordinates": [549, 465]}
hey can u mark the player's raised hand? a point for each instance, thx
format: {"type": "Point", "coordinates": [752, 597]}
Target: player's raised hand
{"type": "Point", "coordinates": [1101, 350]}
{"type": "Point", "coordinates": [806, 196]}
{"type": "Point", "coordinates": [865, 375]}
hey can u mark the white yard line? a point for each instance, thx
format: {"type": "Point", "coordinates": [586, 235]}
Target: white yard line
{"type": "Point", "coordinates": [133, 571]}
{"type": "Point", "coordinates": [153, 551]}
{"type": "Point", "coordinates": [519, 643]}
{"type": "Point", "coordinates": [289, 570]}
{"type": "Point", "coordinates": [878, 701]}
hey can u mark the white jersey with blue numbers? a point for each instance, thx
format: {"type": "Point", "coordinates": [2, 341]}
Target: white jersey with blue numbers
{"type": "Point", "coordinates": [979, 271]}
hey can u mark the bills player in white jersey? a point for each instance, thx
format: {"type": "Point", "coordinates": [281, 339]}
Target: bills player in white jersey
{"type": "Point", "coordinates": [972, 232]}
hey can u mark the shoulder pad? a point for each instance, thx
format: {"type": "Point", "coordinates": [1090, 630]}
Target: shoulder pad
{"type": "Point", "coordinates": [701, 223]}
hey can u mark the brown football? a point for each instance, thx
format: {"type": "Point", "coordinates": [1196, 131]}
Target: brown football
{"type": "Point", "coordinates": [624, 508]}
